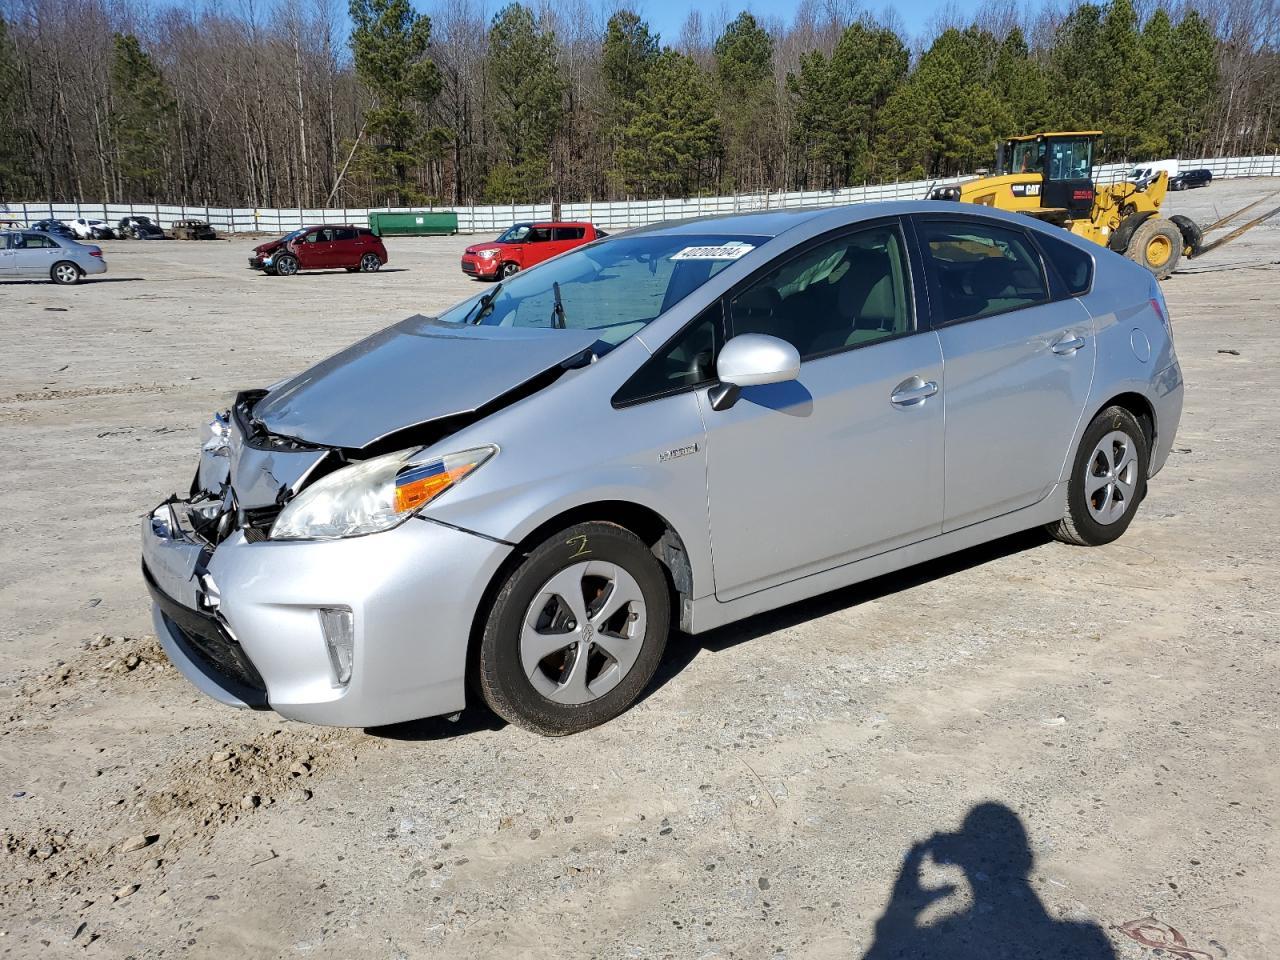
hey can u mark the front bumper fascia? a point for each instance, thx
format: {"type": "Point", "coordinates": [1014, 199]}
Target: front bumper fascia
{"type": "Point", "coordinates": [413, 592]}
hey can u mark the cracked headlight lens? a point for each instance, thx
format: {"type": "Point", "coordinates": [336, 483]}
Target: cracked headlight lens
{"type": "Point", "coordinates": [374, 495]}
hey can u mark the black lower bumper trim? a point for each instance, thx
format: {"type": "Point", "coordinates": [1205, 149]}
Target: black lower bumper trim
{"type": "Point", "coordinates": [204, 640]}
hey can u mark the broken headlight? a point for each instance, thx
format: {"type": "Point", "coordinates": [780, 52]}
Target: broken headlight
{"type": "Point", "coordinates": [374, 495]}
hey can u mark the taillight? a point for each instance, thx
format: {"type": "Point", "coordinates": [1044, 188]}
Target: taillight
{"type": "Point", "coordinates": [95, 253]}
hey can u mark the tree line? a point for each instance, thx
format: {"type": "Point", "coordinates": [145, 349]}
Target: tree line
{"type": "Point", "coordinates": [302, 103]}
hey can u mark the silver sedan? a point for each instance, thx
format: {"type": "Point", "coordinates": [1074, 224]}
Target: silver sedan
{"type": "Point", "coordinates": [680, 426]}
{"type": "Point", "coordinates": [36, 254]}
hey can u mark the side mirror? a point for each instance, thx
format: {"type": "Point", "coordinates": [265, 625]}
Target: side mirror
{"type": "Point", "coordinates": [751, 360]}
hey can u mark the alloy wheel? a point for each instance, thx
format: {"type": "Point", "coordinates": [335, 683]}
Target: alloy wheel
{"type": "Point", "coordinates": [583, 632]}
{"type": "Point", "coordinates": [370, 262]}
{"type": "Point", "coordinates": [1111, 477]}
{"type": "Point", "coordinates": [286, 266]}
{"type": "Point", "coordinates": [66, 273]}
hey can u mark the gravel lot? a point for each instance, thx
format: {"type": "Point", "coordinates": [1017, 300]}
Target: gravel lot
{"type": "Point", "coordinates": [1115, 709]}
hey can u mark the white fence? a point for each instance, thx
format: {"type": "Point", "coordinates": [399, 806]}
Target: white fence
{"type": "Point", "coordinates": [616, 215]}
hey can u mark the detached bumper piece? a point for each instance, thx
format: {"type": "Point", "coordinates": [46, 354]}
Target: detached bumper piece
{"type": "Point", "coordinates": [207, 644]}
{"type": "Point", "coordinates": [255, 263]}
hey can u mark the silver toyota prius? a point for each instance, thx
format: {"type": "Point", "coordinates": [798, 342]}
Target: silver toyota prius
{"type": "Point", "coordinates": [676, 427]}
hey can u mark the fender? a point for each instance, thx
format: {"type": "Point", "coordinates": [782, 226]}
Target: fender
{"type": "Point", "coordinates": [1119, 241]}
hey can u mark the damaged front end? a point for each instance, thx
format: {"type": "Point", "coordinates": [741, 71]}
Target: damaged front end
{"type": "Point", "coordinates": [243, 479]}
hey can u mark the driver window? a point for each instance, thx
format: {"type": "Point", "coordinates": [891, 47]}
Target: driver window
{"type": "Point", "coordinates": [312, 238]}
{"type": "Point", "coordinates": [538, 235]}
{"type": "Point", "coordinates": [844, 293]}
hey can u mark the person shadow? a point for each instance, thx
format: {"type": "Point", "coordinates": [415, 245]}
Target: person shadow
{"type": "Point", "coordinates": [1005, 921]}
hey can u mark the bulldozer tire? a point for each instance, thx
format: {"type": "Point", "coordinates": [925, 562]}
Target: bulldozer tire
{"type": "Point", "coordinates": [1192, 237]}
{"type": "Point", "coordinates": [1157, 245]}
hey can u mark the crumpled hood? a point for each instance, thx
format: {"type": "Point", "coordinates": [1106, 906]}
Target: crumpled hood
{"type": "Point", "coordinates": [268, 246]}
{"type": "Point", "coordinates": [411, 373]}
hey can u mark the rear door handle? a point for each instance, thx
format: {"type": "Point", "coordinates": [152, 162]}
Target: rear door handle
{"type": "Point", "coordinates": [1067, 346]}
{"type": "Point", "coordinates": [912, 392]}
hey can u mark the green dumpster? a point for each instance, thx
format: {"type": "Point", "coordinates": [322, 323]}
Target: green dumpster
{"type": "Point", "coordinates": [422, 223]}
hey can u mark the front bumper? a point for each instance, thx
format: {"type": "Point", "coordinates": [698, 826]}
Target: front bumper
{"type": "Point", "coordinates": [257, 263]}
{"type": "Point", "coordinates": [474, 266]}
{"type": "Point", "coordinates": [241, 620]}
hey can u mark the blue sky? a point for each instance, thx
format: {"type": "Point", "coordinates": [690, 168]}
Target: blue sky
{"type": "Point", "coordinates": [667, 16]}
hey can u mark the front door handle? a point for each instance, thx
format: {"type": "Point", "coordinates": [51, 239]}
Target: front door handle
{"type": "Point", "coordinates": [912, 392]}
{"type": "Point", "coordinates": [1067, 346]}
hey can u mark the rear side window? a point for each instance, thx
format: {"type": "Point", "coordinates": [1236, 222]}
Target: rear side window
{"type": "Point", "coordinates": [981, 269]}
{"type": "Point", "coordinates": [568, 233]}
{"type": "Point", "coordinates": [1074, 266]}
{"type": "Point", "coordinates": [344, 234]}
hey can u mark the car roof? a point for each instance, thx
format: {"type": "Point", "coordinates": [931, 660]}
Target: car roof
{"type": "Point", "coordinates": [775, 223]}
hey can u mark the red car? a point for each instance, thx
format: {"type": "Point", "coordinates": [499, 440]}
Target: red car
{"type": "Point", "coordinates": [321, 248]}
{"type": "Point", "coordinates": [523, 245]}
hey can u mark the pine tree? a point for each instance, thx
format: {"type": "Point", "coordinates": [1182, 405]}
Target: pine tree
{"type": "Point", "coordinates": [1194, 66]}
{"type": "Point", "coordinates": [748, 108]}
{"type": "Point", "coordinates": [627, 59]}
{"type": "Point", "coordinates": [15, 143]}
{"type": "Point", "coordinates": [839, 101]}
{"type": "Point", "coordinates": [390, 44]}
{"type": "Point", "coordinates": [141, 122]}
{"type": "Point", "coordinates": [528, 108]}
{"type": "Point", "coordinates": [671, 141]}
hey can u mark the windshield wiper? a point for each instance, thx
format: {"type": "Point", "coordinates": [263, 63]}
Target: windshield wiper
{"type": "Point", "coordinates": [557, 309]}
{"type": "Point", "coordinates": [484, 303]}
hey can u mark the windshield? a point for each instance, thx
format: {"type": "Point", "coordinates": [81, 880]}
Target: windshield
{"type": "Point", "coordinates": [614, 287]}
{"type": "Point", "coordinates": [515, 233]}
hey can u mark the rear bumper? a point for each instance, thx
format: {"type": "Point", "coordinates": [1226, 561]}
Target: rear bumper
{"type": "Point", "coordinates": [241, 621]}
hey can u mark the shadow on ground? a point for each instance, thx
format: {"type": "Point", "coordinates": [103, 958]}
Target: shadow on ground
{"type": "Point", "coordinates": [1005, 919]}
{"type": "Point", "coordinates": [682, 649]}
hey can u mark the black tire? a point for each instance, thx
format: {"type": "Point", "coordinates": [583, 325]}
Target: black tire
{"type": "Point", "coordinates": [370, 263]}
{"type": "Point", "coordinates": [1192, 237]}
{"type": "Point", "coordinates": [1079, 525]}
{"type": "Point", "coordinates": [509, 269]}
{"type": "Point", "coordinates": [509, 689]}
{"type": "Point", "coordinates": [285, 265]}
{"type": "Point", "coordinates": [65, 273]}
{"type": "Point", "coordinates": [1157, 245]}
{"type": "Point", "coordinates": [351, 269]}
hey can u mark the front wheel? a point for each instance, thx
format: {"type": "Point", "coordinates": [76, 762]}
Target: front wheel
{"type": "Point", "coordinates": [370, 263]}
{"type": "Point", "coordinates": [1108, 480]}
{"type": "Point", "coordinates": [576, 632]}
{"type": "Point", "coordinates": [65, 273]}
{"type": "Point", "coordinates": [1157, 245]}
{"type": "Point", "coordinates": [509, 270]}
{"type": "Point", "coordinates": [285, 265]}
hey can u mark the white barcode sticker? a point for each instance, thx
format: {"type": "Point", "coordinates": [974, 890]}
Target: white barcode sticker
{"type": "Point", "coordinates": [728, 251]}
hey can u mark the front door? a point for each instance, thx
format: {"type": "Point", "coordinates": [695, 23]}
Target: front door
{"type": "Point", "coordinates": [846, 461]}
{"type": "Point", "coordinates": [1019, 365]}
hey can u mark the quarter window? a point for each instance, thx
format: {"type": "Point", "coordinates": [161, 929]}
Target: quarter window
{"type": "Point", "coordinates": [842, 293]}
{"type": "Point", "coordinates": [982, 269]}
{"type": "Point", "coordinates": [1073, 264]}
{"type": "Point", "coordinates": [569, 233]}
{"type": "Point", "coordinates": [687, 360]}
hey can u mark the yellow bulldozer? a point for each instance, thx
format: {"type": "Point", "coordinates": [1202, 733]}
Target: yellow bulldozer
{"type": "Point", "coordinates": [1049, 176]}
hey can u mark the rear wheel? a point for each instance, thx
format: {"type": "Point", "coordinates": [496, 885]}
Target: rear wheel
{"type": "Point", "coordinates": [285, 265]}
{"type": "Point", "coordinates": [576, 632]}
{"type": "Point", "coordinates": [1157, 245]}
{"type": "Point", "coordinates": [65, 272]}
{"type": "Point", "coordinates": [370, 263]}
{"type": "Point", "coordinates": [1108, 480]}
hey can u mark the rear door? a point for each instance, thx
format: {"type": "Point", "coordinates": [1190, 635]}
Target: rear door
{"type": "Point", "coordinates": [347, 247]}
{"type": "Point", "coordinates": [8, 257]}
{"type": "Point", "coordinates": [1019, 357]}
{"type": "Point", "coordinates": [35, 254]}
{"type": "Point", "coordinates": [566, 237]}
